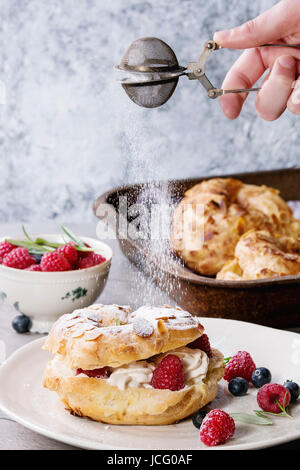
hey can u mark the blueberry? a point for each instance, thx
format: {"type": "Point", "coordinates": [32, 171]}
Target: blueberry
{"type": "Point", "coordinates": [238, 386]}
{"type": "Point", "coordinates": [37, 258]}
{"type": "Point", "coordinates": [198, 418]}
{"type": "Point", "coordinates": [260, 377]}
{"type": "Point", "coordinates": [21, 323]}
{"type": "Point", "coordinates": [293, 388]}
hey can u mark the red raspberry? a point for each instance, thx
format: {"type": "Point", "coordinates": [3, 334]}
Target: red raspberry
{"type": "Point", "coordinates": [201, 343]}
{"type": "Point", "coordinates": [18, 258]}
{"type": "Point", "coordinates": [102, 373]}
{"type": "Point", "coordinates": [5, 248]}
{"type": "Point", "coordinates": [69, 252]}
{"type": "Point", "coordinates": [269, 394]}
{"type": "Point", "coordinates": [216, 428]}
{"type": "Point", "coordinates": [169, 374]}
{"type": "Point", "coordinates": [54, 261]}
{"type": "Point", "coordinates": [90, 260]}
{"type": "Point", "coordinates": [240, 365]}
{"type": "Point", "coordinates": [83, 254]}
{"type": "Point", "coordinates": [34, 267]}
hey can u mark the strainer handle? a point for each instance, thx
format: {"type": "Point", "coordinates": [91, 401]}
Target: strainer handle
{"type": "Point", "coordinates": [196, 70]}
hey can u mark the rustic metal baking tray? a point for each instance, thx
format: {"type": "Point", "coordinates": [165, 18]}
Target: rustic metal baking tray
{"type": "Point", "coordinates": [272, 302]}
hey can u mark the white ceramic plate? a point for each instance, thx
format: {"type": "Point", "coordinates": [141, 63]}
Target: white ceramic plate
{"type": "Point", "coordinates": [23, 398]}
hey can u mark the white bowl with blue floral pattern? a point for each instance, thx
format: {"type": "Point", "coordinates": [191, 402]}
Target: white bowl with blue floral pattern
{"type": "Point", "coordinates": [45, 296]}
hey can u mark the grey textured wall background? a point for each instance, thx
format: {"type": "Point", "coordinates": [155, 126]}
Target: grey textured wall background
{"type": "Point", "coordinates": [69, 132]}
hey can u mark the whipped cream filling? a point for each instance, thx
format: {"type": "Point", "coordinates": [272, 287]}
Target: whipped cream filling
{"type": "Point", "coordinates": [136, 374]}
{"type": "Point", "coordinates": [195, 364]}
{"type": "Point", "coordinates": [139, 374]}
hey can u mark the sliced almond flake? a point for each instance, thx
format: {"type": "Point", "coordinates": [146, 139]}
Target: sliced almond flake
{"type": "Point", "coordinates": [88, 327]}
{"type": "Point", "coordinates": [125, 309]}
{"type": "Point", "coordinates": [161, 327]}
{"type": "Point", "coordinates": [94, 317]}
{"type": "Point", "coordinates": [73, 316]}
{"type": "Point", "coordinates": [96, 306]}
{"type": "Point", "coordinates": [142, 327]}
{"type": "Point", "coordinates": [93, 334]}
{"type": "Point", "coordinates": [73, 322]}
{"type": "Point", "coordinates": [172, 317]}
{"type": "Point", "coordinates": [77, 333]}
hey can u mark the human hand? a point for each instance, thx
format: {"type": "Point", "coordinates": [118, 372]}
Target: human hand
{"type": "Point", "coordinates": [280, 24]}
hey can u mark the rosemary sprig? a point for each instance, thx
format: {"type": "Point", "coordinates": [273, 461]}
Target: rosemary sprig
{"type": "Point", "coordinates": [73, 237]}
{"type": "Point", "coordinates": [26, 234]}
{"type": "Point", "coordinates": [267, 413]}
{"type": "Point", "coordinates": [81, 246]}
{"type": "Point", "coordinates": [247, 418]}
{"type": "Point", "coordinates": [40, 245]}
{"type": "Point", "coordinates": [31, 246]}
{"type": "Point", "coordinates": [41, 241]}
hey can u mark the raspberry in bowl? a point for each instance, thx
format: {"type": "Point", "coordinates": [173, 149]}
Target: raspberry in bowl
{"type": "Point", "coordinates": [46, 286]}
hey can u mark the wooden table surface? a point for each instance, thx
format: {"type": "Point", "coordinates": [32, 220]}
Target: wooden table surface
{"type": "Point", "coordinates": [120, 289]}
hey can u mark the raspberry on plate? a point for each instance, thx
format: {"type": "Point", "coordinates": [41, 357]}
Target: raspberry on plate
{"type": "Point", "coordinates": [270, 394]}
{"type": "Point", "coordinates": [169, 374]}
{"type": "Point", "coordinates": [101, 373]}
{"type": "Point", "coordinates": [240, 365]}
{"type": "Point", "coordinates": [69, 252]}
{"type": "Point", "coordinates": [92, 259]}
{"type": "Point", "coordinates": [216, 428]}
{"type": "Point", "coordinates": [18, 258]}
{"type": "Point", "coordinates": [54, 261]}
{"type": "Point", "coordinates": [5, 248]}
{"type": "Point", "coordinates": [202, 343]}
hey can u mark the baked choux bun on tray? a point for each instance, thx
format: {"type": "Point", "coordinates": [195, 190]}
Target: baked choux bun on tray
{"type": "Point", "coordinates": [260, 255]}
{"type": "Point", "coordinates": [144, 367]}
{"type": "Point", "coordinates": [213, 215]}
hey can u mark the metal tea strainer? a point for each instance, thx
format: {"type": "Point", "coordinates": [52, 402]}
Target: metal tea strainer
{"type": "Point", "coordinates": [151, 71]}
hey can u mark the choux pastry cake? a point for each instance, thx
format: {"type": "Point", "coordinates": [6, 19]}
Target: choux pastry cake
{"type": "Point", "coordinates": [122, 367]}
{"type": "Point", "coordinates": [209, 221]}
{"type": "Point", "coordinates": [259, 255]}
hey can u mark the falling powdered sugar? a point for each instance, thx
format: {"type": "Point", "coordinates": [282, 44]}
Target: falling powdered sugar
{"type": "Point", "coordinates": [150, 216]}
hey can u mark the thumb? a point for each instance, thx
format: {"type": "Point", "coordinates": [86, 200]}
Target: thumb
{"type": "Point", "coordinates": [270, 26]}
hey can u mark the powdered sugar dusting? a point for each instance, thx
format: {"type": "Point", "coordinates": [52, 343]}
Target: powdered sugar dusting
{"type": "Point", "coordinates": [174, 318]}
{"type": "Point", "coordinates": [143, 144]}
{"type": "Point", "coordinates": [93, 322]}
{"type": "Point", "coordinates": [142, 327]}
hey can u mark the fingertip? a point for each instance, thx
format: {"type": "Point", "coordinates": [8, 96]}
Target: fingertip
{"type": "Point", "coordinates": [231, 106]}
{"type": "Point", "coordinates": [274, 96]}
{"type": "Point", "coordinates": [287, 62]}
{"type": "Point", "coordinates": [221, 36]}
{"type": "Point", "coordinates": [266, 115]}
{"type": "Point", "coordinates": [293, 109]}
